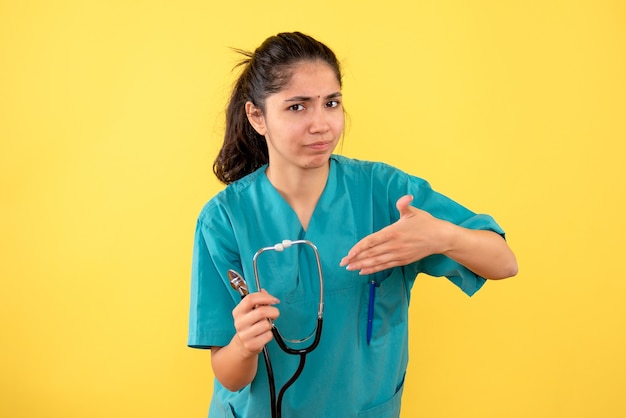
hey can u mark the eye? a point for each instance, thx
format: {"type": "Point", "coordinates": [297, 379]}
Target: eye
{"type": "Point", "coordinates": [296, 107]}
{"type": "Point", "coordinates": [333, 103]}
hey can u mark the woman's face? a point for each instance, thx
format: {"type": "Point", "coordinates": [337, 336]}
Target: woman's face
{"type": "Point", "coordinates": [303, 122]}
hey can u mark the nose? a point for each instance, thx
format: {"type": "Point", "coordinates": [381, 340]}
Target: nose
{"type": "Point", "coordinates": [319, 122]}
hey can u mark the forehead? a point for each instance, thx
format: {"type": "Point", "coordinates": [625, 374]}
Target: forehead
{"type": "Point", "coordinates": [311, 78]}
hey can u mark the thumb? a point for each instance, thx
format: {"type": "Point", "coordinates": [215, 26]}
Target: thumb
{"type": "Point", "coordinates": [403, 205]}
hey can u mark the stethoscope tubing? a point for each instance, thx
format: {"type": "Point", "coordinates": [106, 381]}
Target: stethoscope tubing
{"type": "Point", "coordinates": [280, 247]}
{"type": "Point", "coordinates": [276, 403]}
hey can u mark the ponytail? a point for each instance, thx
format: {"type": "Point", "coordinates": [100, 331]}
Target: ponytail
{"type": "Point", "coordinates": [244, 149]}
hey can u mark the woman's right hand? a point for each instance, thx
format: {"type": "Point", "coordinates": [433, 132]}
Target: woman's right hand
{"type": "Point", "coordinates": [251, 321]}
{"type": "Point", "coordinates": [235, 364]}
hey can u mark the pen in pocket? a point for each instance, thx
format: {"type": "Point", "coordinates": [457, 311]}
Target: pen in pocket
{"type": "Point", "coordinates": [370, 311]}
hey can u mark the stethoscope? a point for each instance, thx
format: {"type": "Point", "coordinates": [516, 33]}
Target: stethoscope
{"type": "Point", "coordinates": [239, 284]}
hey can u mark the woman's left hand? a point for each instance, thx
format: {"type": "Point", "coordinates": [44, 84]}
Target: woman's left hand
{"type": "Point", "coordinates": [417, 234]}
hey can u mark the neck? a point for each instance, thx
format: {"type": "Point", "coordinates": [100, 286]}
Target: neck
{"type": "Point", "coordinates": [301, 189]}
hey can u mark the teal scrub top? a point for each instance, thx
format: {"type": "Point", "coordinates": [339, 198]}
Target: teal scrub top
{"type": "Point", "coordinates": [344, 376]}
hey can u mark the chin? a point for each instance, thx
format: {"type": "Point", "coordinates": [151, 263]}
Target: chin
{"type": "Point", "coordinates": [317, 161]}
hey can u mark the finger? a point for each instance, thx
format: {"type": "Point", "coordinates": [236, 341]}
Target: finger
{"type": "Point", "coordinates": [366, 246]}
{"type": "Point", "coordinates": [374, 245]}
{"type": "Point", "coordinates": [254, 338]}
{"type": "Point", "coordinates": [258, 298]}
{"type": "Point", "coordinates": [256, 321]}
{"type": "Point", "coordinates": [379, 267]}
{"type": "Point", "coordinates": [403, 205]}
{"type": "Point", "coordinates": [254, 329]}
{"type": "Point", "coordinates": [262, 313]}
{"type": "Point", "coordinates": [248, 312]}
{"type": "Point", "coordinates": [364, 263]}
{"type": "Point", "coordinates": [256, 314]}
{"type": "Point", "coordinates": [361, 249]}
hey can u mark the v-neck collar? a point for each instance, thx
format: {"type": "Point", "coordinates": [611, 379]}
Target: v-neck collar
{"type": "Point", "coordinates": [329, 187]}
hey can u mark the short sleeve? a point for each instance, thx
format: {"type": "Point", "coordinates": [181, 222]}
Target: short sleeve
{"type": "Point", "coordinates": [442, 207]}
{"type": "Point", "coordinates": [211, 302]}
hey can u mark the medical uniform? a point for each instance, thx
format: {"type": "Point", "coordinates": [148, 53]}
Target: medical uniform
{"type": "Point", "coordinates": [344, 376]}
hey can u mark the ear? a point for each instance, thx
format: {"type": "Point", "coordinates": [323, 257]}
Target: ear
{"type": "Point", "coordinates": [256, 118]}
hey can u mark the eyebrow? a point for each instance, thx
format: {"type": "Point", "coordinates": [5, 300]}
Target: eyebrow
{"type": "Point", "coordinates": [308, 98]}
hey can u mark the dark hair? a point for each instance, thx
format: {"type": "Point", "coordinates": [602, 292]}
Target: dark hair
{"type": "Point", "coordinates": [265, 71]}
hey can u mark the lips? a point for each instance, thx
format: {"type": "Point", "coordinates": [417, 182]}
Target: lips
{"type": "Point", "coordinates": [322, 145]}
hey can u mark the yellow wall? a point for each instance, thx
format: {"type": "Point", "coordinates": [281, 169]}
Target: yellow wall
{"type": "Point", "coordinates": [110, 116]}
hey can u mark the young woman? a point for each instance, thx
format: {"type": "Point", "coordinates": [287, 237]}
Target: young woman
{"type": "Point", "coordinates": [375, 227]}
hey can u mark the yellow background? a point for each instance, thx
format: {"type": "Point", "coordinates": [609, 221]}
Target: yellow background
{"type": "Point", "coordinates": [111, 115]}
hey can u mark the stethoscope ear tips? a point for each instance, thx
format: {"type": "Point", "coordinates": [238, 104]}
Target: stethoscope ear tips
{"type": "Point", "coordinates": [282, 245]}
